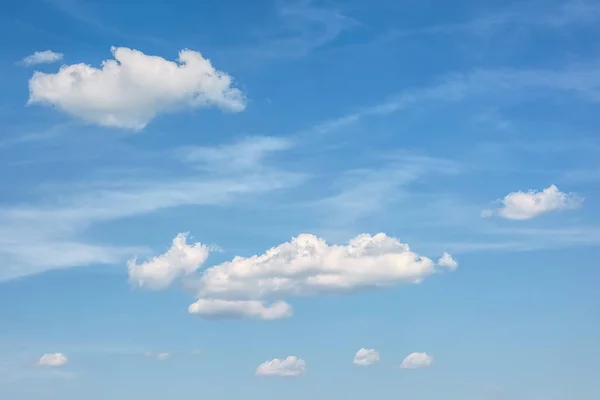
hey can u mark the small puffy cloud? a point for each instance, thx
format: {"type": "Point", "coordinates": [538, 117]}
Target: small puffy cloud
{"type": "Point", "coordinates": [530, 204]}
{"type": "Point", "coordinates": [416, 360]}
{"type": "Point", "coordinates": [196, 352]}
{"type": "Point", "coordinates": [42, 57]}
{"type": "Point", "coordinates": [218, 308]}
{"type": "Point", "coordinates": [289, 367]}
{"type": "Point", "coordinates": [132, 89]}
{"type": "Point", "coordinates": [53, 360]}
{"type": "Point", "coordinates": [366, 357]}
{"type": "Point", "coordinates": [159, 272]}
{"type": "Point", "coordinates": [307, 265]}
{"type": "Point", "coordinates": [446, 260]}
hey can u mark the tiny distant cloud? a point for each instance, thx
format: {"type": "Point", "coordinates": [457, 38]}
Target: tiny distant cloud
{"type": "Point", "coordinates": [527, 205]}
{"type": "Point", "coordinates": [447, 261]}
{"type": "Point", "coordinates": [158, 356]}
{"type": "Point", "coordinates": [290, 367]}
{"type": "Point", "coordinates": [53, 360]}
{"type": "Point", "coordinates": [365, 357]}
{"type": "Point", "coordinates": [196, 352]}
{"type": "Point", "coordinates": [41, 57]}
{"type": "Point", "coordinates": [416, 361]}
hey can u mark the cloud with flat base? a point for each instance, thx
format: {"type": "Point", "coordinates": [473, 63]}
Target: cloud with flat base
{"type": "Point", "coordinates": [289, 367]}
{"type": "Point", "coordinates": [132, 89]}
{"type": "Point", "coordinates": [366, 357]}
{"type": "Point", "coordinates": [41, 57]}
{"type": "Point", "coordinates": [254, 287]}
{"type": "Point", "coordinates": [527, 205]}
{"type": "Point", "coordinates": [417, 361]}
{"type": "Point", "coordinates": [53, 360]}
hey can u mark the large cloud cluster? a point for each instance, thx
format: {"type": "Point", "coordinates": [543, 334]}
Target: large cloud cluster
{"type": "Point", "coordinates": [256, 286]}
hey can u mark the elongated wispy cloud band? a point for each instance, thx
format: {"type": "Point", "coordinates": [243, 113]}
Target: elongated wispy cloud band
{"type": "Point", "coordinates": [54, 228]}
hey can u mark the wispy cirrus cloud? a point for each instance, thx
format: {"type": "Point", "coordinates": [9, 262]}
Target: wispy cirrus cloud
{"type": "Point", "coordinates": [377, 190]}
{"type": "Point", "coordinates": [557, 14]}
{"type": "Point", "coordinates": [581, 80]}
{"type": "Point", "coordinates": [38, 237]}
{"type": "Point", "coordinates": [299, 28]}
{"type": "Point", "coordinates": [365, 192]}
{"type": "Point", "coordinates": [227, 173]}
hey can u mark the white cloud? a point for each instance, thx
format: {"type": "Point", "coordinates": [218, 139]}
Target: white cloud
{"type": "Point", "coordinates": [132, 89]}
{"type": "Point", "coordinates": [159, 272]}
{"type": "Point", "coordinates": [307, 265]}
{"type": "Point", "coordinates": [53, 360]}
{"type": "Point", "coordinates": [530, 204]}
{"type": "Point", "coordinates": [48, 235]}
{"type": "Point", "coordinates": [417, 360]}
{"type": "Point", "coordinates": [246, 154]}
{"type": "Point", "coordinates": [159, 356]}
{"type": "Point", "coordinates": [240, 309]}
{"type": "Point", "coordinates": [366, 357]}
{"type": "Point", "coordinates": [447, 261]}
{"type": "Point", "coordinates": [289, 367]}
{"type": "Point", "coordinates": [42, 57]}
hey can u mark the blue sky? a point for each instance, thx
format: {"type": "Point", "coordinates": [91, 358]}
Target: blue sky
{"type": "Point", "coordinates": [230, 200]}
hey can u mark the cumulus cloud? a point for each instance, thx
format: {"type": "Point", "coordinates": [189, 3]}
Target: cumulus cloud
{"type": "Point", "coordinates": [159, 272]}
{"type": "Point", "coordinates": [217, 308]}
{"type": "Point", "coordinates": [530, 204]}
{"type": "Point", "coordinates": [130, 90]}
{"type": "Point", "coordinates": [416, 360]}
{"type": "Point", "coordinates": [255, 287]}
{"type": "Point", "coordinates": [307, 265]}
{"type": "Point", "coordinates": [446, 260]}
{"type": "Point", "coordinates": [53, 360]}
{"type": "Point", "coordinates": [289, 367]}
{"type": "Point", "coordinates": [42, 57]}
{"type": "Point", "coordinates": [366, 357]}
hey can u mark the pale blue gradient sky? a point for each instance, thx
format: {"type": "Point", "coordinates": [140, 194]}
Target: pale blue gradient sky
{"type": "Point", "coordinates": [407, 118]}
